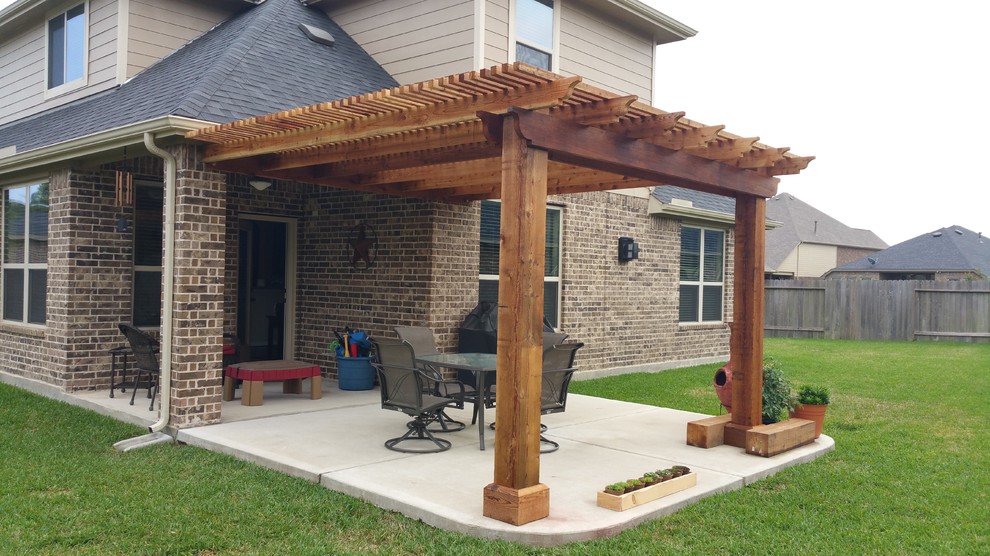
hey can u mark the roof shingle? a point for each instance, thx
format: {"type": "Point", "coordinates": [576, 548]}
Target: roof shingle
{"type": "Point", "coordinates": [255, 63]}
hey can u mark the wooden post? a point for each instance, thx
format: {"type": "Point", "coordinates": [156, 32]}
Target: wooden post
{"type": "Point", "coordinates": [746, 343]}
{"type": "Point", "coordinates": [516, 495]}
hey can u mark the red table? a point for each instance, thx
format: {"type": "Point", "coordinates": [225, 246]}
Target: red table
{"type": "Point", "coordinates": [256, 373]}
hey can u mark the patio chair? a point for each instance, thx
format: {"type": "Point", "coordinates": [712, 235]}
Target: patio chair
{"type": "Point", "coordinates": [424, 343]}
{"type": "Point", "coordinates": [405, 388]}
{"type": "Point", "coordinates": [558, 368]}
{"type": "Point", "coordinates": [144, 349]}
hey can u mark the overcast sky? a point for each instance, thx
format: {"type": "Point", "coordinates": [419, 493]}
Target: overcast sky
{"type": "Point", "coordinates": [890, 96]}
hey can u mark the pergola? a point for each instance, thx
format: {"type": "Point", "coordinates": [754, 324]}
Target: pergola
{"type": "Point", "coordinates": [519, 133]}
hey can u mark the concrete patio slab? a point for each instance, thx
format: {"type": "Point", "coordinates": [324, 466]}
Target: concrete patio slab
{"type": "Point", "coordinates": [337, 441]}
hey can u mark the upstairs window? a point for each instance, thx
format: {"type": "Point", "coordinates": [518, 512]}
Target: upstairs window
{"type": "Point", "coordinates": [702, 274]}
{"type": "Point", "coordinates": [534, 32]}
{"type": "Point", "coordinates": [67, 46]}
{"type": "Point", "coordinates": [25, 253]}
{"type": "Point", "coordinates": [491, 218]}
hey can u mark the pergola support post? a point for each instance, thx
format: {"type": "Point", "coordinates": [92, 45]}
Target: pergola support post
{"type": "Point", "coordinates": [516, 495]}
{"type": "Point", "coordinates": [746, 343]}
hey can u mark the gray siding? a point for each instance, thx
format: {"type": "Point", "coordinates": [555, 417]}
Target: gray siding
{"type": "Point", "coordinates": [605, 54]}
{"type": "Point", "coordinates": [496, 32]}
{"type": "Point", "coordinates": [22, 72]}
{"type": "Point", "coordinates": [22, 64]}
{"type": "Point", "coordinates": [413, 40]}
{"type": "Point", "coordinates": [157, 28]}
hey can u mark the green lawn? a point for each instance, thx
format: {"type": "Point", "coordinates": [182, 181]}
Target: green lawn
{"type": "Point", "coordinates": [910, 475]}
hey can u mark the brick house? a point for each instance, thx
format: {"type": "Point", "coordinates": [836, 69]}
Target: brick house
{"type": "Point", "coordinates": [948, 254]}
{"type": "Point", "coordinates": [98, 91]}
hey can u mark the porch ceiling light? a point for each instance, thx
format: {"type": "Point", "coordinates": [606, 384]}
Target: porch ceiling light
{"type": "Point", "coordinates": [260, 184]}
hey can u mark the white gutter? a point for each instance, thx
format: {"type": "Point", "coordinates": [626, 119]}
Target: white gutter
{"type": "Point", "coordinates": [168, 281]}
{"type": "Point", "coordinates": [96, 143]}
{"type": "Point", "coordinates": [685, 212]}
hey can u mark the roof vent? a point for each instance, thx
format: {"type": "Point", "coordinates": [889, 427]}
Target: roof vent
{"type": "Point", "coordinates": [872, 260]}
{"type": "Point", "coordinates": [316, 34]}
{"type": "Point", "coordinates": [937, 234]}
{"type": "Point", "coordinates": [680, 202]}
{"type": "Point", "coordinates": [959, 232]}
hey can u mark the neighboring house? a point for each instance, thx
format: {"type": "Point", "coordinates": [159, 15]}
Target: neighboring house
{"type": "Point", "coordinates": [950, 253]}
{"type": "Point", "coordinates": [808, 243]}
{"type": "Point", "coordinates": [96, 97]}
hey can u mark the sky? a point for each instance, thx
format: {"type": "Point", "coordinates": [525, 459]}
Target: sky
{"type": "Point", "coordinates": [891, 97]}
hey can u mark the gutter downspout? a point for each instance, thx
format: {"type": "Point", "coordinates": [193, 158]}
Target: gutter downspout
{"type": "Point", "coordinates": [155, 434]}
{"type": "Point", "coordinates": [168, 277]}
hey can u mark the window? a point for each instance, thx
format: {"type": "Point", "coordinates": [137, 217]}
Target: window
{"type": "Point", "coordinates": [702, 274]}
{"type": "Point", "coordinates": [147, 304]}
{"type": "Point", "coordinates": [491, 214]}
{"type": "Point", "coordinates": [67, 46]}
{"type": "Point", "coordinates": [25, 253]}
{"type": "Point", "coordinates": [534, 32]}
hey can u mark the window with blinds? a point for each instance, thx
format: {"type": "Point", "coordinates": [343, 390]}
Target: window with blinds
{"type": "Point", "coordinates": [25, 253]}
{"type": "Point", "coordinates": [147, 305]}
{"type": "Point", "coordinates": [491, 213]}
{"type": "Point", "coordinates": [702, 274]}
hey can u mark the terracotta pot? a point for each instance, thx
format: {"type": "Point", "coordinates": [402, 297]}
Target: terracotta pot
{"type": "Point", "coordinates": [723, 385]}
{"type": "Point", "coordinates": [814, 413]}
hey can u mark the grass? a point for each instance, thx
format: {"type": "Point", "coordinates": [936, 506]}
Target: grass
{"type": "Point", "coordinates": [910, 475]}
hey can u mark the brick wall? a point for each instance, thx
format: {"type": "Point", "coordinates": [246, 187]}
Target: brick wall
{"type": "Point", "coordinates": [849, 254]}
{"type": "Point", "coordinates": [198, 307]}
{"type": "Point", "coordinates": [89, 282]}
{"type": "Point", "coordinates": [426, 273]}
{"type": "Point", "coordinates": [627, 313]}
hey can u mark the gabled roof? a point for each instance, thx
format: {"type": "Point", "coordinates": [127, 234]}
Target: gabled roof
{"type": "Point", "coordinates": [257, 62]}
{"type": "Point", "coordinates": [803, 223]}
{"type": "Point", "coordinates": [952, 248]}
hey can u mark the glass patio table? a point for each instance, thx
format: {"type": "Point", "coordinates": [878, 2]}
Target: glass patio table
{"type": "Point", "coordinates": [478, 363]}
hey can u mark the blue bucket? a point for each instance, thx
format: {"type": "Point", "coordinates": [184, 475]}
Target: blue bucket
{"type": "Point", "coordinates": [355, 373]}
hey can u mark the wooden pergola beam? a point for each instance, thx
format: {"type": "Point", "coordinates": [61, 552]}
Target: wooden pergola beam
{"type": "Point", "coordinates": [600, 150]}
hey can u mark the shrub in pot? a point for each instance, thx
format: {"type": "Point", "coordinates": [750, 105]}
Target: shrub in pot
{"type": "Point", "coordinates": [812, 401]}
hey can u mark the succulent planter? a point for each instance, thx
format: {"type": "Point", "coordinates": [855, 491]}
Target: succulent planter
{"type": "Point", "coordinates": [648, 494]}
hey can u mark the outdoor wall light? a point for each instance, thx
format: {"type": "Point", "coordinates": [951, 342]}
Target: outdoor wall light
{"type": "Point", "coordinates": [260, 184]}
{"type": "Point", "coordinates": [628, 249]}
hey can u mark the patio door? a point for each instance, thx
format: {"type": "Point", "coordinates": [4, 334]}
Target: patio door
{"type": "Point", "coordinates": [266, 286]}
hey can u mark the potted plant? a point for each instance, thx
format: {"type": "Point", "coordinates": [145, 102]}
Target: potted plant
{"type": "Point", "coordinates": [812, 401]}
{"type": "Point", "coordinates": [777, 400]}
{"type": "Point", "coordinates": [616, 489]}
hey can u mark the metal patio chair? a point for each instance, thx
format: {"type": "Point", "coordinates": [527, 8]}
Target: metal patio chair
{"type": "Point", "coordinates": [406, 388]}
{"type": "Point", "coordinates": [424, 342]}
{"type": "Point", "coordinates": [558, 368]}
{"type": "Point", "coordinates": [144, 349]}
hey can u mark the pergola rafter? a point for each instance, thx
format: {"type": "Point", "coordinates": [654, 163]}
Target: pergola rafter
{"type": "Point", "coordinates": [519, 133]}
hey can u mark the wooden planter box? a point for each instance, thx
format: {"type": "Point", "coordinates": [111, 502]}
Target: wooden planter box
{"type": "Point", "coordinates": [635, 498]}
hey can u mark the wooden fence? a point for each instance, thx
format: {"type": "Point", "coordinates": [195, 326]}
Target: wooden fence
{"type": "Point", "coordinates": [878, 309]}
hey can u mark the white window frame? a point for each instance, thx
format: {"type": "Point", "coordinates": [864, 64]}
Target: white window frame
{"type": "Point", "coordinates": [26, 266]}
{"type": "Point", "coordinates": [84, 79]}
{"type": "Point", "coordinates": [555, 49]}
{"type": "Point", "coordinates": [700, 282]}
{"type": "Point", "coordinates": [559, 279]}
